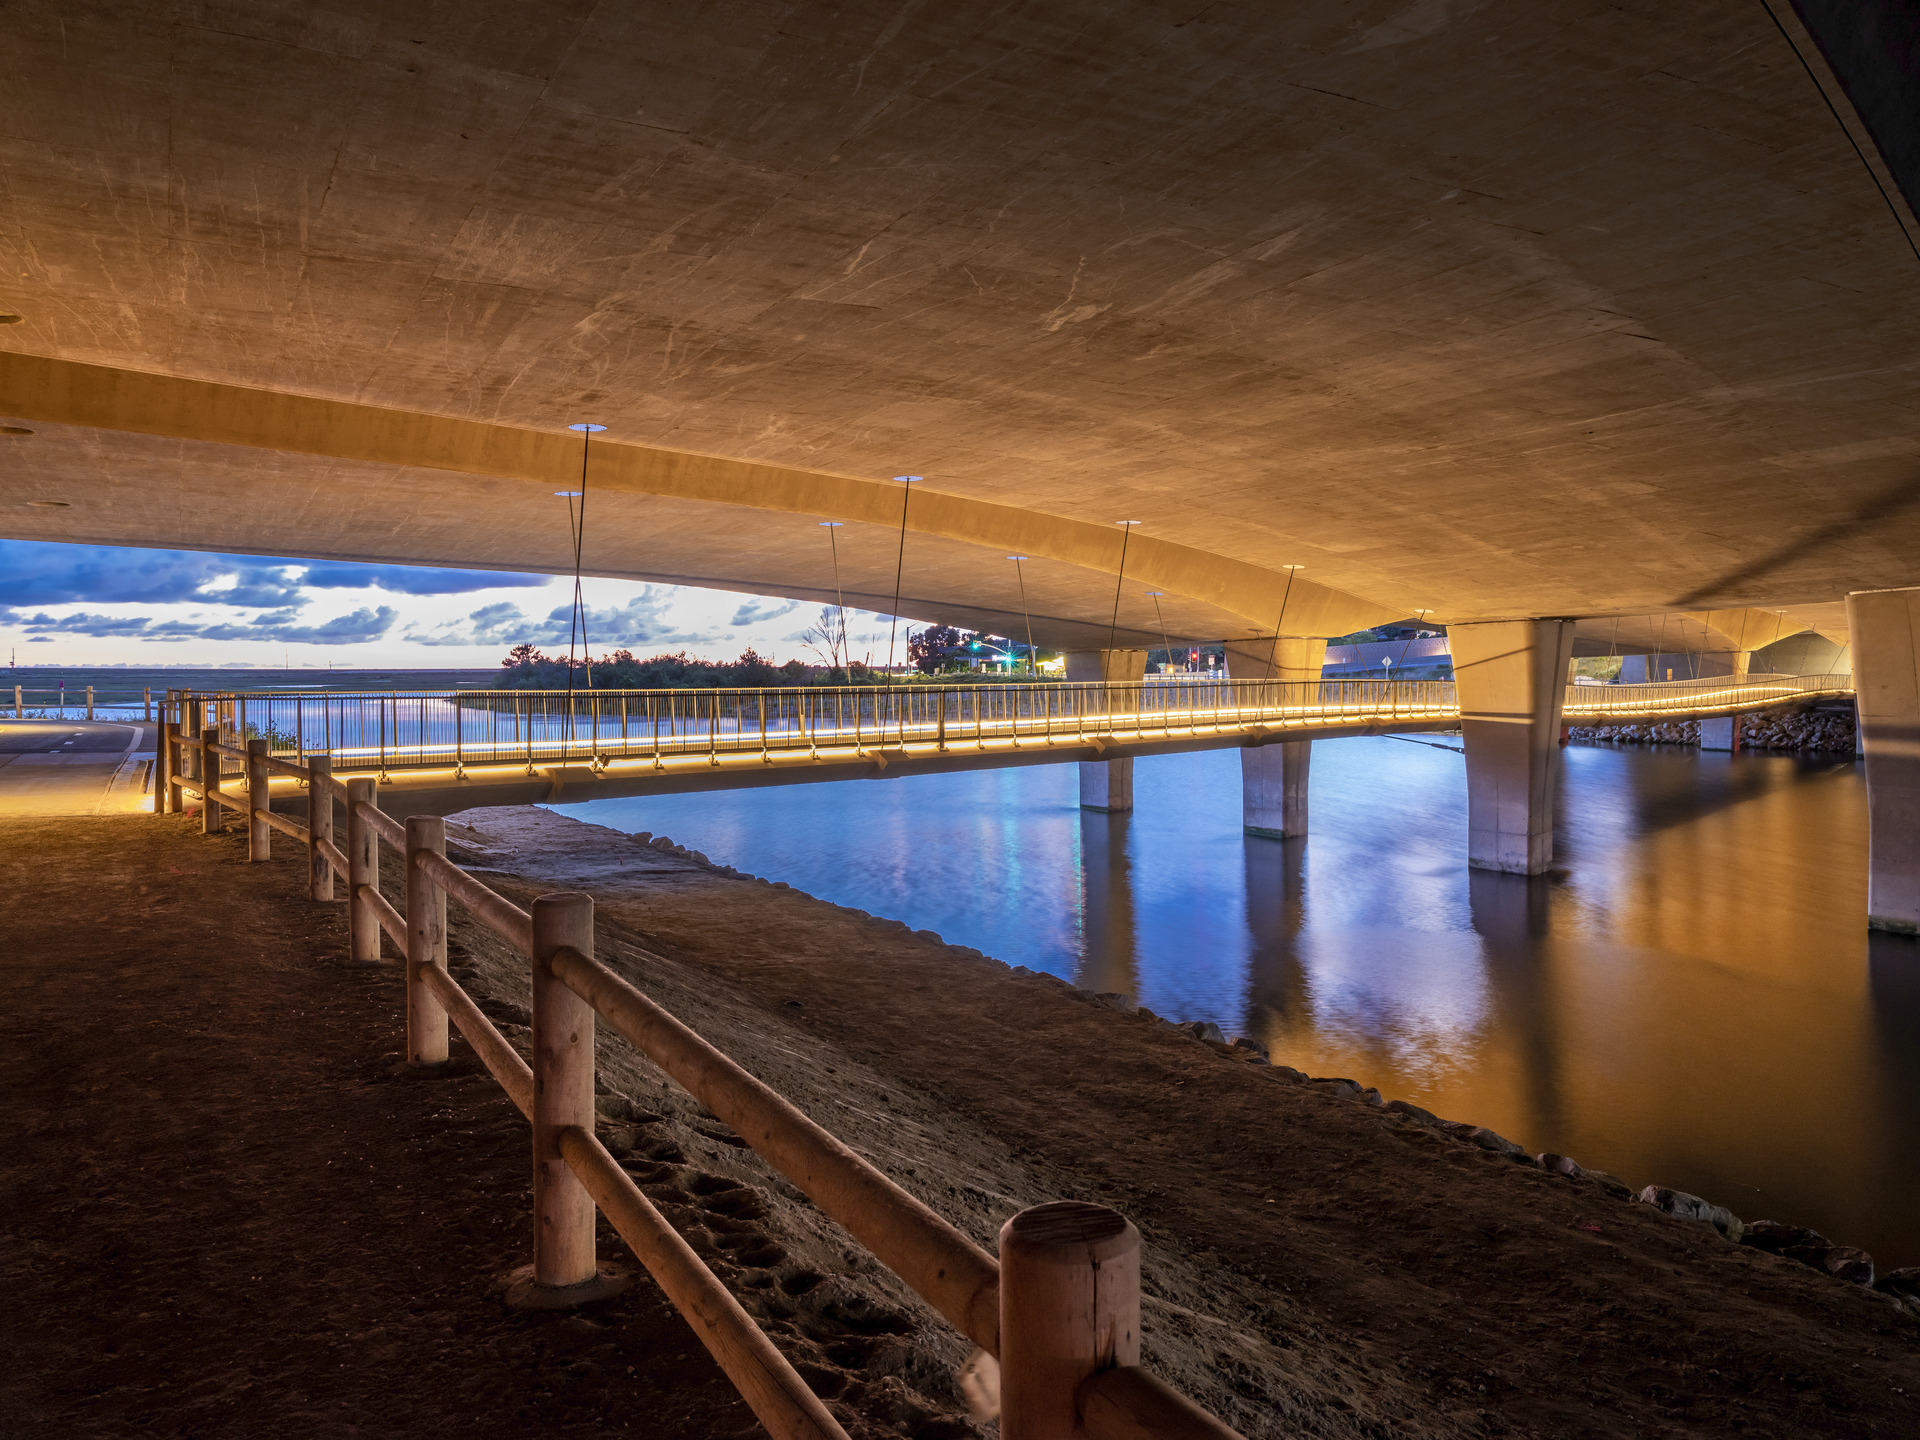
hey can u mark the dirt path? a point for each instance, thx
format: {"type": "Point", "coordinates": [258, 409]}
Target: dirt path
{"type": "Point", "coordinates": [222, 1217]}
{"type": "Point", "coordinates": [219, 1218]}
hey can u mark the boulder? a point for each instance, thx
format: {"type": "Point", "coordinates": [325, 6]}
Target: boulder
{"type": "Point", "coordinates": [1371, 1096]}
{"type": "Point", "coordinates": [1334, 1085]}
{"type": "Point", "coordinates": [1849, 1263]}
{"type": "Point", "coordinates": [1486, 1139]}
{"type": "Point", "coordinates": [1412, 1112]}
{"type": "Point", "coordinates": [1114, 1000]}
{"type": "Point", "coordinates": [1204, 1030]}
{"type": "Point", "coordinates": [661, 842]}
{"type": "Point", "coordinates": [1903, 1285]}
{"type": "Point", "coordinates": [1559, 1164]}
{"type": "Point", "coordinates": [1289, 1073]}
{"type": "Point", "coordinates": [1776, 1238]}
{"type": "Point", "coordinates": [1241, 1042]}
{"type": "Point", "coordinates": [1692, 1207]}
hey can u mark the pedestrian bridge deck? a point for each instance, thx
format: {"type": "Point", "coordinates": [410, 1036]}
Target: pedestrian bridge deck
{"type": "Point", "coordinates": [451, 749]}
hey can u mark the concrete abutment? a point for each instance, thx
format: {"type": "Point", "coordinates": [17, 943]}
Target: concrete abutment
{"type": "Point", "coordinates": [1511, 676]}
{"type": "Point", "coordinates": [1273, 778]}
{"type": "Point", "coordinates": [1107, 785]}
{"type": "Point", "coordinates": [1885, 626]}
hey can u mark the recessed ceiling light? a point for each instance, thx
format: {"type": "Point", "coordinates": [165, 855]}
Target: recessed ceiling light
{"type": "Point", "coordinates": [11, 319]}
{"type": "Point", "coordinates": [14, 430]}
{"type": "Point", "coordinates": [50, 504]}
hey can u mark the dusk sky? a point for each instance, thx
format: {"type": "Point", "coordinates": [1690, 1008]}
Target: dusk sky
{"type": "Point", "coordinates": [102, 605]}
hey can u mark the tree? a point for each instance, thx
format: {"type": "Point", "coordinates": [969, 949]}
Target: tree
{"type": "Point", "coordinates": [930, 649]}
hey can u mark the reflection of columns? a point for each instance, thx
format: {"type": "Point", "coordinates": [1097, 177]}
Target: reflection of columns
{"type": "Point", "coordinates": [1108, 784]}
{"type": "Point", "coordinates": [1276, 909]}
{"type": "Point", "coordinates": [1107, 896]}
{"type": "Point", "coordinates": [1273, 778]}
{"type": "Point", "coordinates": [1512, 681]}
{"type": "Point", "coordinates": [1511, 915]}
{"type": "Point", "coordinates": [1886, 674]}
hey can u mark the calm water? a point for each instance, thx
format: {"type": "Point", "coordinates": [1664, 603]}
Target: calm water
{"type": "Point", "coordinates": [1692, 1000]}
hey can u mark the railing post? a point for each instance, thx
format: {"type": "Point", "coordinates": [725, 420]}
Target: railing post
{"type": "Point", "coordinates": [363, 869]}
{"type": "Point", "coordinates": [18, 711]}
{"type": "Point", "coordinates": [163, 768]}
{"type": "Point", "coordinates": [319, 826]}
{"type": "Point", "coordinates": [1069, 1307]}
{"type": "Point", "coordinates": [259, 798]}
{"type": "Point", "coordinates": [563, 1211]}
{"type": "Point", "coordinates": [212, 816]}
{"type": "Point", "coordinates": [426, 943]}
{"type": "Point", "coordinates": [89, 702]}
{"type": "Point", "coordinates": [146, 703]}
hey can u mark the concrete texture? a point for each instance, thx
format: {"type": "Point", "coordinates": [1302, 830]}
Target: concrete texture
{"type": "Point", "coordinates": [1107, 784]}
{"type": "Point", "coordinates": [1510, 677]}
{"type": "Point", "coordinates": [1886, 653]}
{"type": "Point", "coordinates": [1273, 778]}
{"type": "Point", "coordinates": [1488, 310]}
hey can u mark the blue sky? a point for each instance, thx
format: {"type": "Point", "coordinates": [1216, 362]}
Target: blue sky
{"type": "Point", "coordinates": [103, 605]}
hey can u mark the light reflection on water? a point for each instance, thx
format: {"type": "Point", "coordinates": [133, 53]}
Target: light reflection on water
{"type": "Point", "coordinates": [1691, 1000]}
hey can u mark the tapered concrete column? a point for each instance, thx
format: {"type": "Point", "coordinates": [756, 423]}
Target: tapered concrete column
{"type": "Point", "coordinates": [1107, 784]}
{"type": "Point", "coordinates": [1273, 778]}
{"type": "Point", "coordinates": [1512, 680]}
{"type": "Point", "coordinates": [1886, 678]}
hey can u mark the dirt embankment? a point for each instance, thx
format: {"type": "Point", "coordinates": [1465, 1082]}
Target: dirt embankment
{"type": "Point", "coordinates": [222, 1217]}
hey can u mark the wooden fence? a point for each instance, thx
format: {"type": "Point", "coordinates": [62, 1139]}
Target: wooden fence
{"type": "Point", "coordinates": [1058, 1312]}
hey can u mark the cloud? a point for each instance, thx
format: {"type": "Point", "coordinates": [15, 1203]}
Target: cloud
{"type": "Point", "coordinates": [47, 573]}
{"type": "Point", "coordinates": [358, 628]}
{"type": "Point", "coordinates": [756, 610]}
{"type": "Point", "coordinates": [641, 621]}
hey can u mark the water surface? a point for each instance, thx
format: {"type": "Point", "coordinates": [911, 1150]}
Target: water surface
{"type": "Point", "coordinates": [1692, 999]}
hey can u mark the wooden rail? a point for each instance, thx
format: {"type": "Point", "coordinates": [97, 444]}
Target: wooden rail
{"type": "Point", "coordinates": [1058, 1312]}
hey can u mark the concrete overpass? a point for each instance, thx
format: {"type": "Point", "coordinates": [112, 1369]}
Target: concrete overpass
{"type": "Point", "coordinates": [1504, 317]}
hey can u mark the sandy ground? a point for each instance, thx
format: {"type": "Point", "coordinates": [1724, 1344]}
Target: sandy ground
{"type": "Point", "coordinates": [222, 1216]}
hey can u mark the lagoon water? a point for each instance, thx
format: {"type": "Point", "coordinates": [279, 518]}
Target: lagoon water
{"type": "Point", "coordinates": [1692, 999]}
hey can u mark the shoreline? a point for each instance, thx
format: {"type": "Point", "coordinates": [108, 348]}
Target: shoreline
{"type": "Point", "coordinates": [824, 983]}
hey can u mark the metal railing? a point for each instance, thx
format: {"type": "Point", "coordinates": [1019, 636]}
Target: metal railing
{"type": "Point", "coordinates": [1055, 1319]}
{"type": "Point", "coordinates": [393, 730]}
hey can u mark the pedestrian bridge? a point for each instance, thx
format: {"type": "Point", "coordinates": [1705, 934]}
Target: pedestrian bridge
{"type": "Point", "coordinates": [447, 750]}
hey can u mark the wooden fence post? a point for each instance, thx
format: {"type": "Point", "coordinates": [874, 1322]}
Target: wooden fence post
{"type": "Point", "coordinates": [213, 818]}
{"type": "Point", "coordinates": [1069, 1307]}
{"type": "Point", "coordinates": [259, 798]}
{"type": "Point", "coordinates": [363, 868]}
{"type": "Point", "coordinates": [427, 945]}
{"type": "Point", "coordinates": [319, 826]}
{"type": "Point", "coordinates": [563, 1211]}
{"type": "Point", "coordinates": [89, 702]}
{"type": "Point", "coordinates": [163, 768]}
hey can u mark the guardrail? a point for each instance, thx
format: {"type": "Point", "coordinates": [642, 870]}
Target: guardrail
{"type": "Point", "coordinates": [84, 698]}
{"type": "Point", "coordinates": [1058, 1312]}
{"type": "Point", "coordinates": [382, 732]}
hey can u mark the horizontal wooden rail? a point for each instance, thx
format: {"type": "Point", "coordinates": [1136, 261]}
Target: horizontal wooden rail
{"type": "Point", "coordinates": [500, 1058]}
{"type": "Point", "coordinates": [1129, 1403]}
{"type": "Point", "coordinates": [391, 920]}
{"type": "Point", "coordinates": [384, 825]}
{"type": "Point", "coordinates": [500, 914]}
{"type": "Point", "coordinates": [769, 1385]}
{"type": "Point", "coordinates": [283, 824]}
{"type": "Point", "coordinates": [949, 1271]}
{"type": "Point", "coordinates": [231, 752]}
{"type": "Point", "coordinates": [285, 767]}
{"type": "Point", "coordinates": [331, 853]}
{"type": "Point", "coordinates": [227, 800]}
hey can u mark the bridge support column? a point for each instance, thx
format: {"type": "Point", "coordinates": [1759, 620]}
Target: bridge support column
{"type": "Point", "coordinates": [1273, 778]}
{"type": "Point", "coordinates": [1512, 680]}
{"type": "Point", "coordinates": [1886, 670]}
{"type": "Point", "coordinates": [1107, 784]}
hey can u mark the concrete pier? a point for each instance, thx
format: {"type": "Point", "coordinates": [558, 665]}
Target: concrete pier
{"type": "Point", "coordinates": [1885, 627]}
{"type": "Point", "coordinates": [1107, 784]}
{"type": "Point", "coordinates": [1511, 676]}
{"type": "Point", "coordinates": [1273, 778]}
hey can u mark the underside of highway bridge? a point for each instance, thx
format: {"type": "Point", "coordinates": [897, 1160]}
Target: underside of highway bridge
{"type": "Point", "coordinates": [1583, 329]}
